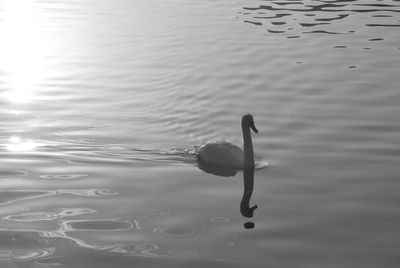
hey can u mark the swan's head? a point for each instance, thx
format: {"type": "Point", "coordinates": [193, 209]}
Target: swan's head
{"type": "Point", "coordinates": [248, 122]}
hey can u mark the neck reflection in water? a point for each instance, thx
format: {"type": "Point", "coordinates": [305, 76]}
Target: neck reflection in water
{"type": "Point", "coordinates": [245, 209]}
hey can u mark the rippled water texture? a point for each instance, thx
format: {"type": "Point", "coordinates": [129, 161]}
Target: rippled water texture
{"type": "Point", "coordinates": [104, 103]}
{"type": "Point", "coordinates": [329, 17]}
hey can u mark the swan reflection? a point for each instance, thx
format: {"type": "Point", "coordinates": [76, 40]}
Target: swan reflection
{"type": "Point", "coordinates": [225, 159]}
{"type": "Point", "coordinates": [219, 171]}
{"type": "Point", "coordinates": [248, 186]}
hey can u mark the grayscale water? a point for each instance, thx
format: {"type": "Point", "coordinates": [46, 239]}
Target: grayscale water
{"type": "Point", "coordinates": [103, 102]}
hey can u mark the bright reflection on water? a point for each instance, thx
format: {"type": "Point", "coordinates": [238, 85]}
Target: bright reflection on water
{"type": "Point", "coordinates": [23, 48]}
{"type": "Point", "coordinates": [103, 104]}
{"type": "Point", "coordinates": [17, 145]}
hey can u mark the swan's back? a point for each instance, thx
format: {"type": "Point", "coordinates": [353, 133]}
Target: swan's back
{"type": "Point", "coordinates": [221, 154]}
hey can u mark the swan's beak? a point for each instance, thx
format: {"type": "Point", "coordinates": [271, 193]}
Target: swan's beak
{"type": "Point", "coordinates": [253, 127]}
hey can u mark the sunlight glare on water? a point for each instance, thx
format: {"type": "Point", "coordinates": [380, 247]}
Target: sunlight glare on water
{"type": "Point", "coordinates": [23, 48]}
{"type": "Point", "coordinates": [17, 145]}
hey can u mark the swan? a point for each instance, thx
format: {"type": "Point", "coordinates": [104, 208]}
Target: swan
{"type": "Point", "coordinates": [227, 155]}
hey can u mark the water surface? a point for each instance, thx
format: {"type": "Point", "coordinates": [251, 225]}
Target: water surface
{"type": "Point", "coordinates": [103, 102]}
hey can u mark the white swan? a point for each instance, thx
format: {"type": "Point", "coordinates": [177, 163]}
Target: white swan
{"type": "Point", "coordinates": [227, 155]}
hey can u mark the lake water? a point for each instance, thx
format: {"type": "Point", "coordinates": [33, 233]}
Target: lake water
{"type": "Point", "coordinates": [102, 103]}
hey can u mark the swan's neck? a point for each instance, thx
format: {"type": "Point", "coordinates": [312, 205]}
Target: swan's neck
{"type": "Point", "coordinates": [248, 159]}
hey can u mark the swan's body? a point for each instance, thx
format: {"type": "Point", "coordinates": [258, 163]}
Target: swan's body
{"type": "Point", "coordinates": [227, 155]}
{"type": "Point", "coordinates": [222, 154]}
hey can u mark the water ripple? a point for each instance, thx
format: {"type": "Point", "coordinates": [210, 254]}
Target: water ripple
{"type": "Point", "coordinates": [219, 219]}
{"type": "Point", "coordinates": [11, 196]}
{"type": "Point", "coordinates": [137, 249]}
{"type": "Point", "coordinates": [8, 197]}
{"type": "Point", "coordinates": [23, 246]}
{"type": "Point", "coordinates": [49, 216]}
{"type": "Point", "coordinates": [324, 15]}
{"type": "Point", "coordinates": [25, 254]}
{"type": "Point", "coordinates": [96, 225]}
{"type": "Point", "coordinates": [88, 192]}
{"type": "Point", "coordinates": [63, 176]}
{"type": "Point", "coordinates": [175, 231]}
{"type": "Point", "coordinates": [34, 216]}
{"type": "Point", "coordinates": [12, 173]}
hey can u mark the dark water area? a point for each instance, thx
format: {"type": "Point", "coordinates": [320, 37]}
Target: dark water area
{"type": "Point", "coordinates": [104, 104]}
